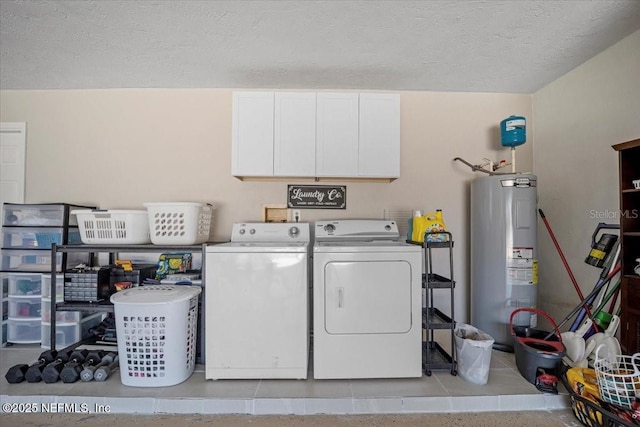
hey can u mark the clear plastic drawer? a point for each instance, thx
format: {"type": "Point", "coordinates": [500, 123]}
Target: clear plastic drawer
{"type": "Point", "coordinates": [28, 260]}
{"type": "Point", "coordinates": [23, 331]}
{"type": "Point", "coordinates": [37, 260]}
{"type": "Point", "coordinates": [24, 284]}
{"type": "Point", "coordinates": [67, 334]}
{"type": "Point", "coordinates": [46, 286]}
{"type": "Point", "coordinates": [41, 215]}
{"type": "Point", "coordinates": [61, 316]}
{"type": "Point", "coordinates": [25, 307]}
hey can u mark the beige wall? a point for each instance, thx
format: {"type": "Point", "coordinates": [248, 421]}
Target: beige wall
{"type": "Point", "coordinates": [576, 120]}
{"type": "Point", "coordinates": [120, 148]}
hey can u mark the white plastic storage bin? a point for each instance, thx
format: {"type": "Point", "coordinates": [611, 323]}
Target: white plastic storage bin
{"type": "Point", "coordinates": [25, 284]}
{"type": "Point", "coordinates": [20, 331]}
{"type": "Point", "coordinates": [179, 223]}
{"type": "Point", "coordinates": [104, 227]}
{"type": "Point", "coordinates": [25, 307]}
{"type": "Point", "coordinates": [68, 333]}
{"type": "Point", "coordinates": [46, 286]}
{"type": "Point", "coordinates": [156, 327]}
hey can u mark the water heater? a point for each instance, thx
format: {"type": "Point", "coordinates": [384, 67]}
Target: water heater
{"type": "Point", "coordinates": [504, 267]}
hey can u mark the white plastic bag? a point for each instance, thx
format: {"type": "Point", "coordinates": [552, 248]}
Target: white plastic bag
{"type": "Point", "coordinates": [473, 348]}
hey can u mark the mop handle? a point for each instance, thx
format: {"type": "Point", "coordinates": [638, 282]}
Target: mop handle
{"type": "Point", "coordinates": [608, 271]}
{"type": "Point", "coordinates": [589, 297]}
{"type": "Point", "coordinates": [593, 293]}
{"type": "Point", "coordinates": [564, 260]}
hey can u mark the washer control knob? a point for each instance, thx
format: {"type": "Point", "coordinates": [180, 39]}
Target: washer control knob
{"type": "Point", "coordinates": [387, 227]}
{"type": "Point", "coordinates": [252, 231]}
{"type": "Point", "coordinates": [330, 228]}
{"type": "Point", "coordinates": [242, 231]}
{"type": "Point", "coordinates": [294, 232]}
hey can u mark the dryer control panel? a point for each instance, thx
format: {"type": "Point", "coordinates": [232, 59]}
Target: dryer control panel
{"type": "Point", "coordinates": [356, 230]}
{"type": "Point", "coordinates": [270, 232]}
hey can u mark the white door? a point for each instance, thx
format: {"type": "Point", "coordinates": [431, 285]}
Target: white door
{"type": "Point", "coordinates": [12, 163]}
{"type": "Point", "coordinates": [295, 134]}
{"type": "Point", "coordinates": [252, 134]}
{"type": "Point", "coordinates": [337, 135]}
{"type": "Point", "coordinates": [379, 144]}
{"type": "Point", "coordinates": [368, 297]}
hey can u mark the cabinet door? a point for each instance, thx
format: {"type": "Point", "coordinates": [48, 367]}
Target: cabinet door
{"type": "Point", "coordinates": [252, 134]}
{"type": "Point", "coordinates": [337, 135]}
{"type": "Point", "coordinates": [295, 134]}
{"type": "Point", "coordinates": [379, 145]}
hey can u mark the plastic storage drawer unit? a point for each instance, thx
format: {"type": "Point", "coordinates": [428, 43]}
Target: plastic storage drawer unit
{"type": "Point", "coordinates": [156, 327]}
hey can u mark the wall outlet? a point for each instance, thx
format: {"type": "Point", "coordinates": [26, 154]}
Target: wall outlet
{"type": "Point", "coordinates": [296, 215]}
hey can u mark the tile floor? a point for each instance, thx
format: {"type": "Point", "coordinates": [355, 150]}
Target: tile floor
{"type": "Point", "coordinates": [506, 390]}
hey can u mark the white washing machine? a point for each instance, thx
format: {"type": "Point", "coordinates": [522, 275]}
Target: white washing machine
{"type": "Point", "coordinates": [257, 303]}
{"type": "Point", "coordinates": [367, 301]}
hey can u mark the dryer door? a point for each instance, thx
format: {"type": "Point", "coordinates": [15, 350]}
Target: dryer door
{"type": "Point", "coordinates": [367, 297]}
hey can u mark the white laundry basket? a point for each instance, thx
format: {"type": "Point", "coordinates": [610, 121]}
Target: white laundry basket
{"type": "Point", "coordinates": [156, 327]}
{"type": "Point", "coordinates": [179, 223]}
{"type": "Point", "coordinates": [104, 227]}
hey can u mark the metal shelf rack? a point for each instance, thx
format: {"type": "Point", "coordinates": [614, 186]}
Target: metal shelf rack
{"type": "Point", "coordinates": [106, 306]}
{"type": "Point", "coordinates": [434, 355]}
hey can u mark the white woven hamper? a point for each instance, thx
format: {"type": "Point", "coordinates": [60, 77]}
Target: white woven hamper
{"type": "Point", "coordinates": [156, 327]}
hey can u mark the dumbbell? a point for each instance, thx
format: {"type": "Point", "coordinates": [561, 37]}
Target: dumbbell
{"type": "Point", "coordinates": [51, 372]}
{"type": "Point", "coordinates": [16, 374]}
{"type": "Point", "coordinates": [103, 372]}
{"type": "Point", "coordinates": [71, 371]}
{"type": "Point", "coordinates": [88, 371]}
{"type": "Point", "coordinates": [34, 373]}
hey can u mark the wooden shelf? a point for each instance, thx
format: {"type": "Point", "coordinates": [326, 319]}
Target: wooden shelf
{"type": "Point", "coordinates": [629, 170]}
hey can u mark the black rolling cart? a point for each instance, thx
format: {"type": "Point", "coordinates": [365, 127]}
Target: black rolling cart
{"type": "Point", "coordinates": [434, 355]}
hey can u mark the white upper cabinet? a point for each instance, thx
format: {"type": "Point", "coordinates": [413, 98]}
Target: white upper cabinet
{"type": "Point", "coordinates": [337, 135]}
{"type": "Point", "coordinates": [309, 134]}
{"type": "Point", "coordinates": [252, 134]}
{"type": "Point", "coordinates": [379, 147]}
{"type": "Point", "coordinates": [294, 148]}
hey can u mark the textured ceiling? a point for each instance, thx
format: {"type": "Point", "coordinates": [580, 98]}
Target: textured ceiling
{"type": "Point", "coordinates": [471, 46]}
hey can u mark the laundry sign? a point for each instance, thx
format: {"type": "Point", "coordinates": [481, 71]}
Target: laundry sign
{"type": "Point", "coordinates": [317, 196]}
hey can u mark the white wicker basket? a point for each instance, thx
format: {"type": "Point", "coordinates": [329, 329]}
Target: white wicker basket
{"type": "Point", "coordinates": [179, 223]}
{"type": "Point", "coordinates": [104, 227]}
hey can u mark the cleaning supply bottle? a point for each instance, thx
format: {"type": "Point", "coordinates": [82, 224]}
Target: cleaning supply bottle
{"type": "Point", "coordinates": [435, 222]}
{"type": "Point", "coordinates": [430, 222]}
{"type": "Point", "coordinates": [416, 213]}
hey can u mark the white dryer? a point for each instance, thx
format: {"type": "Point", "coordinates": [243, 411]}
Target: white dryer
{"type": "Point", "coordinates": [367, 301]}
{"type": "Point", "coordinates": [257, 303]}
